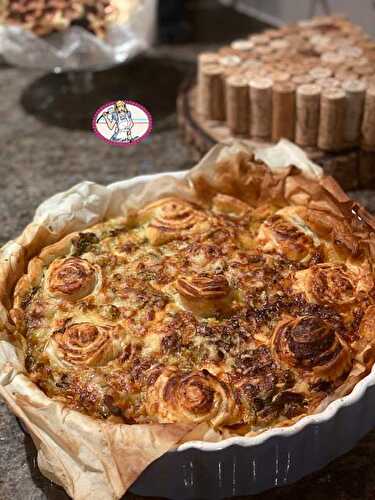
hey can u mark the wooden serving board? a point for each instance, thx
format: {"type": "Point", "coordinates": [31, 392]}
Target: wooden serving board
{"type": "Point", "coordinates": [353, 169]}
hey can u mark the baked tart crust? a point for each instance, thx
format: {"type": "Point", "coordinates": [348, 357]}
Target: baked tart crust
{"type": "Point", "coordinates": [238, 299]}
{"type": "Point", "coordinates": [243, 315]}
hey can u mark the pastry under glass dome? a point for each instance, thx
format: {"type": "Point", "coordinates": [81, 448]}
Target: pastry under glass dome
{"type": "Point", "coordinates": [77, 51]}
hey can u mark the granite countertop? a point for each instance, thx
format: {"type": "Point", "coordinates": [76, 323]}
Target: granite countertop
{"type": "Point", "coordinates": [39, 158]}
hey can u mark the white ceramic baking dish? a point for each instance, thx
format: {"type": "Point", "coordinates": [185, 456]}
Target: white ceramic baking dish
{"type": "Point", "coordinates": [249, 465]}
{"type": "Point", "coordinates": [276, 457]}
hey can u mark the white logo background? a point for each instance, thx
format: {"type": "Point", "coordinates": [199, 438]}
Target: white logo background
{"type": "Point", "coordinates": [141, 119]}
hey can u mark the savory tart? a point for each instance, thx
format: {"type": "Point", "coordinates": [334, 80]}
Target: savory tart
{"type": "Point", "coordinates": [244, 312]}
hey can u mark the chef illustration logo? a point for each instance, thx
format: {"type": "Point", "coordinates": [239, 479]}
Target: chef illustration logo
{"type": "Point", "coordinates": [122, 123]}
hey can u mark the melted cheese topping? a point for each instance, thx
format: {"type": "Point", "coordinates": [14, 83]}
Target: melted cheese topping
{"type": "Point", "coordinates": [228, 315]}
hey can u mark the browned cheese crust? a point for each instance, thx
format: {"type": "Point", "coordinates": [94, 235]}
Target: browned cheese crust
{"type": "Point", "coordinates": [244, 310]}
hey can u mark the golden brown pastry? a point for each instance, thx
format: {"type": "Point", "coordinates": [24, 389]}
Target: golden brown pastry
{"type": "Point", "coordinates": [72, 278]}
{"type": "Point", "coordinates": [191, 397]}
{"type": "Point", "coordinates": [204, 294]}
{"type": "Point", "coordinates": [335, 283]}
{"type": "Point", "coordinates": [83, 344]}
{"type": "Point", "coordinates": [240, 313]}
{"type": "Point", "coordinates": [310, 344]}
{"type": "Point", "coordinates": [172, 218]}
{"type": "Point", "coordinates": [287, 233]}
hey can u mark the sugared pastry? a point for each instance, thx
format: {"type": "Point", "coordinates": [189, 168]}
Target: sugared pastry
{"type": "Point", "coordinates": [242, 316]}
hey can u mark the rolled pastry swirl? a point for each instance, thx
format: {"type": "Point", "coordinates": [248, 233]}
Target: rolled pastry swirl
{"type": "Point", "coordinates": [286, 233]}
{"type": "Point", "coordinates": [170, 218]}
{"type": "Point", "coordinates": [191, 397]}
{"type": "Point", "coordinates": [335, 284]}
{"type": "Point", "coordinates": [83, 344]}
{"type": "Point", "coordinates": [72, 278]}
{"type": "Point", "coordinates": [309, 343]}
{"type": "Point", "coordinates": [204, 294]}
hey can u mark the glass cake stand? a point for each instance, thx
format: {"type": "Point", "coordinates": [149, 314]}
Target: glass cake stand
{"type": "Point", "coordinates": [78, 66]}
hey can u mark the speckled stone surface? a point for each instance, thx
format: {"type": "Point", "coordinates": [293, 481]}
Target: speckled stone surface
{"type": "Point", "coordinates": [37, 159]}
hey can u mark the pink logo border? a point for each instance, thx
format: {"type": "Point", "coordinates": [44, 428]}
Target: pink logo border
{"type": "Point", "coordinates": [122, 144]}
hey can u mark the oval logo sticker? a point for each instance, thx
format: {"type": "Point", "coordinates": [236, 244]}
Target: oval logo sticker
{"type": "Point", "coordinates": [122, 123]}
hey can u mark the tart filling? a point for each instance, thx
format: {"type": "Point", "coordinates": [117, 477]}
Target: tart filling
{"type": "Point", "coordinates": [239, 316]}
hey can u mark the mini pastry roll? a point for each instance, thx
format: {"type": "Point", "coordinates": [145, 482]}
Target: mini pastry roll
{"type": "Point", "coordinates": [205, 294]}
{"type": "Point", "coordinates": [283, 111]}
{"type": "Point", "coordinates": [287, 233]}
{"type": "Point", "coordinates": [355, 95]}
{"type": "Point", "coordinates": [311, 344]}
{"type": "Point", "coordinates": [261, 108]}
{"type": "Point", "coordinates": [191, 397]}
{"type": "Point", "coordinates": [332, 120]}
{"type": "Point", "coordinates": [238, 105]}
{"type": "Point", "coordinates": [368, 123]}
{"type": "Point", "coordinates": [72, 278]}
{"type": "Point", "coordinates": [171, 218]}
{"type": "Point", "coordinates": [334, 284]}
{"type": "Point", "coordinates": [307, 115]}
{"type": "Point", "coordinates": [83, 344]}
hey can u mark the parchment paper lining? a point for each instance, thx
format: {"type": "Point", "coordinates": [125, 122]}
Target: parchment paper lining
{"type": "Point", "coordinates": [100, 460]}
